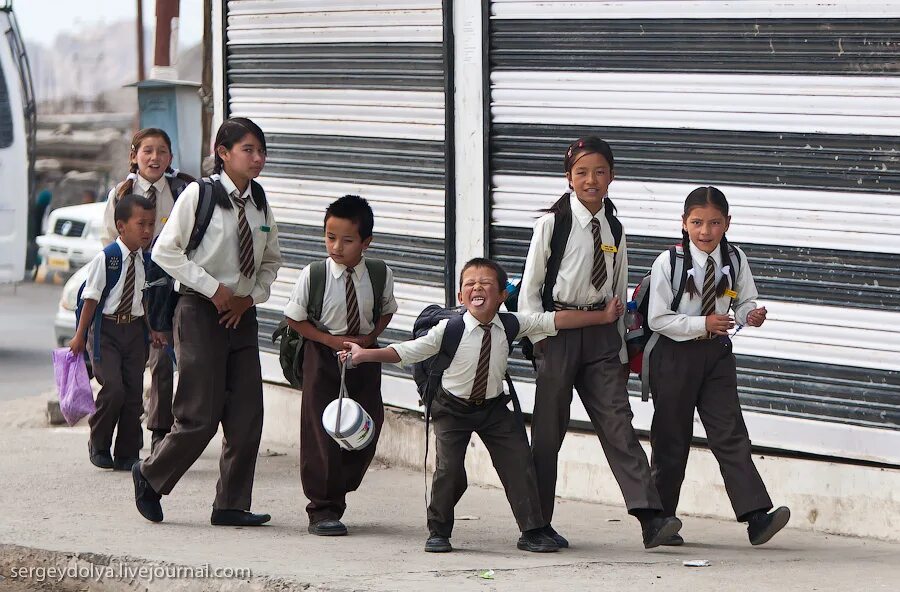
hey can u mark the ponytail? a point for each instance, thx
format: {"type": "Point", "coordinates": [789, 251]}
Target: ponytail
{"type": "Point", "coordinates": [690, 284]}
{"type": "Point", "coordinates": [176, 174]}
{"type": "Point", "coordinates": [127, 186]}
{"type": "Point", "coordinates": [723, 253]}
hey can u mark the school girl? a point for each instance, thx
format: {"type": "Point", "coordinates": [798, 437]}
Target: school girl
{"type": "Point", "coordinates": [215, 328]}
{"type": "Point", "coordinates": [578, 259]}
{"type": "Point", "coordinates": [692, 365]}
{"type": "Point", "coordinates": [151, 176]}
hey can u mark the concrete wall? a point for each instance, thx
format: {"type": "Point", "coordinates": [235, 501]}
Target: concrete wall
{"type": "Point", "coordinates": [824, 496]}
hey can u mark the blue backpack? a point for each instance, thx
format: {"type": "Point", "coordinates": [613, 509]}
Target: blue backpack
{"type": "Point", "coordinates": [112, 254]}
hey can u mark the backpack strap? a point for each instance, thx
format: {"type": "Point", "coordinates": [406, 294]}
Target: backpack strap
{"type": "Point", "coordinates": [206, 205]}
{"type": "Point", "coordinates": [676, 262]}
{"type": "Point", "coordinates": [562, 225]}
{"type": "Point", "coordinates": [176, 185]}
{"type": "Point", "coordinates": [378, 276]}
{"type": "Point", "coordinates": [316, 300]}
{"type": "Point", "coordinates": [112, 255]}
{"type": "Point", "coordinates": [511, 326]}
{"type": "Point", "coordinates": [615, 227]}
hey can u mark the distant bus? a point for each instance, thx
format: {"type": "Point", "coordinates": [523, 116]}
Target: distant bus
{"type": "Point", "coordinates": [17, 132]}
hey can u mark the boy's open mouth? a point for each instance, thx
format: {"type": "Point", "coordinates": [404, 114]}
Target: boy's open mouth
{"type": "Point", "coordinates": [477, 300]}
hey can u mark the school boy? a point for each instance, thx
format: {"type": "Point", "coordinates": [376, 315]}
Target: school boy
{"type": "Point", "coordinates": [119, 352]}
{"type": "Point", "coordinates": [472, 400]}
{"type": "Point", "coordinates": [356, 306]}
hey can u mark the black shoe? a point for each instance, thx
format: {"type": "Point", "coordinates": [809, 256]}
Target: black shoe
{"type": "Point", "coordinates": [438, 544]}
{"type": "Point", "coordinates": [761, 527]}
{"type": "Point", "coordinates": [536, 541]}
{"type": "Point", "coordinates": [156, 437]}
{"type": "Point", "coordinates": [145, 497]}
{"type": "Point", "coordinates": [101, 459]}
{"type": "Point", "coordinates": [559, 539]}
{"type": "Point", "coordinates": [237, 518]}
{"type": "Point", "coordinates": [659, 530]}
{"type": "Point", "coordinates": [327, 527]}
{"type": "Point", "coordinates": [673, 541]}
{"type": "Point", "coordinates": [125, 464]}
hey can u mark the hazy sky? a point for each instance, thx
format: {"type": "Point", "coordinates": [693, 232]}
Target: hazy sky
{"type": "Point", "coordinates": [42, 20]}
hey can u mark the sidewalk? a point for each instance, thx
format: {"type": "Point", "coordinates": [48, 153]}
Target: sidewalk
{"type": "Point", "coordinates": [54, 499]}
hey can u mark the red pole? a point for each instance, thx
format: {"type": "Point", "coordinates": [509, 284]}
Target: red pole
{"type": "Point", "coordinates": [166, 10]}
{"type": "Point", "coordinates": [140, 40]}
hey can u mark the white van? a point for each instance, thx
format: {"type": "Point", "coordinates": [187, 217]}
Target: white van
{"type": "Point", "coordinates": [17, 127]}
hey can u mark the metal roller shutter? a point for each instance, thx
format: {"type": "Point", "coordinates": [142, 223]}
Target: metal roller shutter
{"type": "Point", "coordinates": [792, 112]}
{"type": "Point", "coordinates": [351, 96]}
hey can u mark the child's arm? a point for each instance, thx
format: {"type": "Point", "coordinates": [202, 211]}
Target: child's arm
{"type": "Point", "coordinates": [745, 310]}
{"type": "Point", "coordinates": [576, 319]}
{"type": "Point", "coordinates": [536, 266]}
{"type": "Point", "coordinates": [309, 331]}
{"type": "Point", "coordinates": [361, 355]}
{"type": "Point", "coordinates": [370, 339]}
{"type": "Point", "coordinates": [87, 317]}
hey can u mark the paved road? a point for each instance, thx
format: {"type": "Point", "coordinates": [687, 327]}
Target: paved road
{"type": "Point", "coordinates": [26, 339]}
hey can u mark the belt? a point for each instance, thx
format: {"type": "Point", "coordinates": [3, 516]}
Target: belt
{"type": "Point", "coordinates": [189, 292]}
{"type": "Point", "coordinates": [121, 319]}
{"type": "Point", "coordinates": [596, 306]}
{"type": "Point", "coordinates": [466, 403]}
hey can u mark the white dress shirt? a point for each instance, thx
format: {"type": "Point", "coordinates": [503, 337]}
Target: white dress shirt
{"type": "Point", "coordinates": [686, 323]}
{"type": "Point", "coordinates": [164, 203]}
{"type": "Point", "coordinates": [96, 281]}
{"type": "Point", "coordinates": [334, 303]}
{"type": "Point", "coordinates": [217, 258]}
{"type": "Point", "coordinates": [573, 283]}
{"type": "Point", "coordinates": [460, 375]}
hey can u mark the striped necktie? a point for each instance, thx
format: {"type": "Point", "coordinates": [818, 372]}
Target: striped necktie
{"type": "Point", "coordinates": [353, 327]}
{"type": "Point", "coordinates": [245, 237]}
{"type": "Point", "coordinates": [479, 385]}
{"type": "Point", "coordinates": [709, 290]}
{"type": "Point", "coordinates": [151, 195]}
{"type": "Point", "coordinates": [598, 271]}
{"type": "Point", "coordinates": [128, 289]}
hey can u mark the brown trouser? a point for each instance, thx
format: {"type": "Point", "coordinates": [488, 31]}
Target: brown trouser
{"type": "Point", "coordinates": [505, 440]}
{"type": "Point", "coordinates": [587, 359]}
{"type": "Point", "coordinates": [328, 472]}
{"type": "Point", "coordinates": [700, 374]}
{"type": "Point", "coordinates": [219, 381]}
{"type": "Point", "coordinates": [159, 406]}
{"type": "Point", "coordinates": [120, 372]}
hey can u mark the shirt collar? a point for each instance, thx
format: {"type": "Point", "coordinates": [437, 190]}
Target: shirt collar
{"type": "Point", "coordinates": [145, 184]}
{"type": "Point", "coordinates": [339, 269]}
{"type": "Point", "coordinates": [471, 322]}
{"type": "Point", "coordinates": [230, 187]}
{"type": "Point", "coordinates": [125, 250]}
{"type": "Point", "coordinates": [700, 257]}
{"type": "Point", "coordinates": [582, 214]}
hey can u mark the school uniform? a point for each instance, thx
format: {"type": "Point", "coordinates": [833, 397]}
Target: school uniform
{"type": "Point", "coordinates": [327, 472]}
{"type": "Point", "coordinates": [690, 369]}
{"type": "Point", "coordinates": [159, 404]}
{"type": "Point", "coordinates": [119, 365]}
{"type": "Point", "coordinates": [462, 408]}
{"type": "Point", "coordinates": [590, 359]}
{"type": "Point", "coordinates": [220, 380]}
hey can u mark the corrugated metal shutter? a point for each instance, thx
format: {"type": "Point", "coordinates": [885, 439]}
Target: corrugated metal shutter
{"type": "Point", "coordinates": [351, 96]}
{"type": "Point", "coordinates": [793, 112]}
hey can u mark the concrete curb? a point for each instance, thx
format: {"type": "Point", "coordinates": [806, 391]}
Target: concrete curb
{"type": "Point", "coordinates": [70, 572]}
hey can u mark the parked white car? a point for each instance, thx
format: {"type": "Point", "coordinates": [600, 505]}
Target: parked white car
{"type": "Point", "coordinates": [73, 238]}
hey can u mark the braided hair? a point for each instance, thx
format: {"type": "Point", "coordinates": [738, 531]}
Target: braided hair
{"type": "Point", "coordinates": [127, 187]}
{"type": "Point", "coordinates": [698, 198]}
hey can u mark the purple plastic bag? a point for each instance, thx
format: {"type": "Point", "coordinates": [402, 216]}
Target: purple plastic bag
{"type": "Point", "coordinates": [76, 399]}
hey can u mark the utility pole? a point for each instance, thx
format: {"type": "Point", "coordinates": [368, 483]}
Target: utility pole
{"type": "Point", "coordinates": [206, 95]}
{"type": "Point", "coordinates": [166, 40]}
{"type": "Point", "coordinates": [140, 40]}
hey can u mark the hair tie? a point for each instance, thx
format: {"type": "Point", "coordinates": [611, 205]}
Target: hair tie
{"type": "Point", "coordinates": [131, 177]}
{"type": "Point", "coordinates": [174, 173]}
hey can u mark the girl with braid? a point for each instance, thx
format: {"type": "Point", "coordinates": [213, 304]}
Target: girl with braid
{"type": "Point", "coordinates": [692, 366]}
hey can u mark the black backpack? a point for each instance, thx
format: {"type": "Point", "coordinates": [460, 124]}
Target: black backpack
{"type": "Point", "coordinates": [160, 291]}
{"type": "Point", "coordinates": [562, 226]}
{"type": "Point", "coordinates": [638, 341]}
{"type": "Point", "coordinates": [290, 351]}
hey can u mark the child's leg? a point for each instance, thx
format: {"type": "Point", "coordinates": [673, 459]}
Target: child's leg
{"type": "Point", "coordinates": [159, 406]}
{"type": "Point", "coordinates": [602, 385]}
{"type": "Point", "coordinates": [364, 386]}
{"type": "Point", "coordinates": [320, 456]}
{"type": "Point", "coordinates": [508, 446]}
{"type": "Point", "coordinates": [676, 372]}
{"type": "Point", "coordinates": [452, 432]}
{"type": "Point", "coordinates": [557, 363]}
{"type": "Point", "coordinates": [242, 417]}
{"type": "Point", "coordinates": [201, 345]}
{"type": "Point", "coordinates": [720, 412]}
{"type": "Point", "coordinates": [130, 436]}
{"type": "Point", "coordinates": [108, 372]}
